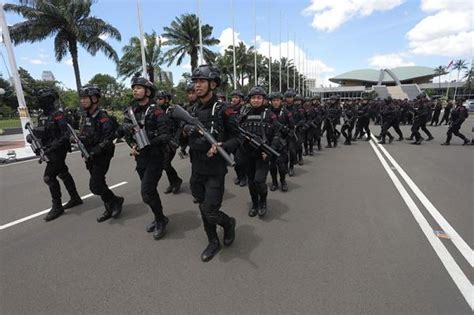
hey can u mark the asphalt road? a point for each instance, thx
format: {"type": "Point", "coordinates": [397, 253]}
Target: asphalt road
{"type": "Point", "coordinates": [343, 240]}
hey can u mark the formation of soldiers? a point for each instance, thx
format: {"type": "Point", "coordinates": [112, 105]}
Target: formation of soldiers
{"type": "Point", "coordinates": [256, 134]}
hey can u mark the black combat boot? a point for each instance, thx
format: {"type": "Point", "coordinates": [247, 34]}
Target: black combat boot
{"type": "Point", "coordinates": [262, 208]}
{"type": "Point", "coordinates": [211, 250]}
{"type": "Point", "coordinates": [116, 207]}
{"type": "Point", "coordinates": [243, 182]}
{"type": "Point", "coordinates": [284, 185]}
{"type": "Point", "coordinates": [237, 181]}
{"type": "Point", "coordinates": [291, 171]}
{"type": "Point", "coordinates": [56, 211]}
{"type": "Point", "coordinates": [107, 214]}
{"type": "Point", "coordinates": [169, 190]}
{"type": "Point", "coordinates": [390, 140]}
{"type": "Point", "coordinates": [274, 185]}
{"type": "Point", "coordinates": [75, 201]}
{"type": "Point", "coordinates": [177, 186]}
{"type": "Point", "coordinates": [160, 228]}
{"type": "Point", "coordinates": [229, 232]}
{"type": "Point", "coordinates": [254, 209]}
{"type": "Point", "coordinates": [151, 227]}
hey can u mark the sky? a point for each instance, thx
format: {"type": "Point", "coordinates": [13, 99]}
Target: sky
{"type": "Point", "coordinates": [332, 36]}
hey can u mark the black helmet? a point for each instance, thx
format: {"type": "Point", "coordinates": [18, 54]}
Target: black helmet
{"type": "Point", "coordinates": [257, 90]}
{"type": "Point", "coordinates": [307, 99]}
{"type": "Point", "coordinates": [207, 72]}
{"type": "Point", "coordinates": [141, 81]}
{"type": "Point", "coordinates": [90, 90]}
{"type": "Point", "coordinates": [290, 93]}
{"type": "Point", "coordinates": [190, 87]}
{"type": "Point", "coordinates": [276, 95]}
{"type": "Point", "coordinates": [164, 94]}
{"type": "Point", "coordinates": [47, 93]}
{"type": "Point", "coordinates": [316, 98]}
{"type": "Point", "coordinates": [237, 93]}
{"type": "Point", "coordinates": [334, 97]}
{"type": "Point", "coordinates": [298, 97]}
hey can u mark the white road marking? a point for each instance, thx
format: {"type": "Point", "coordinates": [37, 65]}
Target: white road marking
{"type": "Point", "coordinates": [5, 226]}
{"type": "Point", "coordinates": [457, 240]}
{"type": "Point", "coordinates": [459, 278]}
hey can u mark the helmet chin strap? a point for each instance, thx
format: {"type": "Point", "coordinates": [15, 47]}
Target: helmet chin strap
{"type": "Point", "coordinates": [209, 90]}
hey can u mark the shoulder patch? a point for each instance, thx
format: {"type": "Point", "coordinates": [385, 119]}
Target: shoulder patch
{"type": "Point", "coordinates": [104, 119]}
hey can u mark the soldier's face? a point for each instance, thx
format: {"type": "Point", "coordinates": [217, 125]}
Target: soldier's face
{"type": "Point", "coordinates": [161, 101]}
{"type": "Point", "coordinates": [85, 102]}
{"type": "Point", "coordinates": [235, 100]}
{"type": "Point", "coordinates": [192, 96]}
{"type": "Point", "coordinates": [139, 92]}
{"type": "Point", "coordinates": [276, 102]}
{"type": "Point", "coordinates": [290, 100]}
{"type": "Point", "coordinates": [256, 100]}
{"type": "Point", "coordinates": [202, 87]}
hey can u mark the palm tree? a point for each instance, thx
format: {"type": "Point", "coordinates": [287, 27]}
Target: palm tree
{"type": "Point", "coordinates": [131, 61]}
{"type": "Point", "coordinates": [70, 24]}
{"type": "Point", "coordinates": [183, 34]}
{"type": "Point", "coordinates": [458, 65]}
{"type": "Point", "coordinates": [441, 70]}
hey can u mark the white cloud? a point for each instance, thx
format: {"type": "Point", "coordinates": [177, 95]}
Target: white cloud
{"type": "Point", "coordinates": [37, 61]}
{"type": "Point", "coordinates": [104, 36]}
{"type": "Point", "coordinates": [447, 31]}
{"type": "Point", "coordinates": [330, 14]}
{"type": "Point", "coordinates": [226, 39]}
{"type": "Point", "coordinates": [389, 61]}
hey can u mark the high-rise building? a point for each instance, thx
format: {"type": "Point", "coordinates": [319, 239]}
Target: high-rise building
{"type": "Point", "coordinates": [161, 76]}
{"type": "Point", "coordinates": [47, 76]}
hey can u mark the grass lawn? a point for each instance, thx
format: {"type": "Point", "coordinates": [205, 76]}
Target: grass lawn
{"type": "Point", "coordinates": [10, 123]}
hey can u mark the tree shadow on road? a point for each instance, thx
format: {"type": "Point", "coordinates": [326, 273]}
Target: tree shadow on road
{"type": "Point", "coordinates": [182, 222]}
{"type": "Point", "coordinates": [246, 241]}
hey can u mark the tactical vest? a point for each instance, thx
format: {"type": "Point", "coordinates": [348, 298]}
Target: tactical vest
{"type": "Point", "coordinates": [47, 129]}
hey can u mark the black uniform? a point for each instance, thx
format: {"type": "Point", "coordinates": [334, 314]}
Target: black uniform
{"type": "Point", "coordinates": [208, 173]}
{"type": "Point", "coordinates": [97, 132]}
{"type": "Point", "coordinates": [295, 144]}
{"type": "Point", "coordinates": [259, 121]}
{"type": "Point", "coordinates": [436, 113]}
{"type": "Point", "coordinates": [419, 120]}
{"type": "Point", "coordinates": [447, 111]}
{"type": "Point", "coordinates": [53, 132]}
{"type": "Point", "coordinates": [458, 115]}
{"type": "Point", "coordinates": [309, 129]}
{"type": "Point", "coordinates": [390, 118]}
{"type": "Point", "coordinates": [349, 122]}
{"type": "Point", "coordinates": [280, 164]}
{"type": "Point", "coordinates": [333, 117]}
{"type": "Point", "coordinates": [151, 159]}
{"type": "Point", "coordinates": [363, 121]}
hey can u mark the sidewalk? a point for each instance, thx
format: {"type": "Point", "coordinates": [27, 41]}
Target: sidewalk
{"type": "Point", "coordinates": [12, 149]}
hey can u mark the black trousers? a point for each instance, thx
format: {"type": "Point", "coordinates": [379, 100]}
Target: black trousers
{"type": "Point", "coordinates": [308, 139]}
{"type": "Point", "coordinates": [292, 150]}
{"type": "Point", "coordinates": [445, 118]}
{"type": "Point", "coordinates": [57, 168]}
{"type": "Point", "coordinates": [171, 173]}
{"type": "Point", "coordinates": [208, 190]}
{"type": "Point", "coordinates": [395, 123]}
{"type": "Point", "coordinates": [98, 167]}
{"type": "Point", "coordinates": [454, 129]}
{"type": "Point", "coordinates": [435, 118]}
{"type": "Point", "coordinates": [149, 170]}
{"type": "Point", "coordinates": [347, 127]}
{"type": "Point", "coordinates": [278, 165]}
{"type": "Point", "coordinates": [362, 125]}
{"type": "Point", "coordinates": [257, 176]}
{"type": "Point", "coordinates": [240, 163]}
{"type": "Point", "coordinates": [330, 132]}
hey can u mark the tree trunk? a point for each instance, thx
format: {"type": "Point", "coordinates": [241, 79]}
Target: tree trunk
{"type": "Point", "coordinates": [151, 74]}
{"type": "Point", "coordinates": [75, 63]}
{"type": "Point", "coordinates": [194, 59]}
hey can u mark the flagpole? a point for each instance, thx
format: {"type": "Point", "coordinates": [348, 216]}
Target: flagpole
{"type": "Point", "coordinates": [269, 50]}
{"type": "Point", "coordinates": [201, 56]}
{"type": "Point", "coordinates": [280, 54]}
{"type": "Point", "coordinates": [255, 38]}
{"type": "Point", "coordinates": [22, 109]}
{"type": "Point", "coordinates": [233, 45]}
{"type": "Point", "coordinates": [287, 56]}
{"type": "Point", "coordinates": [142, 39]}
{"type": "Point", "coordinates": [294, 62]}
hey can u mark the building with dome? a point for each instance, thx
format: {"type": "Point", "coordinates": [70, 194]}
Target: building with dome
{"type": "Point", "coordinates": [399, 83]}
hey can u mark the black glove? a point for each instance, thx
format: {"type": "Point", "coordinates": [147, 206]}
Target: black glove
{"type": "Point", "coordinates": [29, 138]}
{"type": "Point", "coordinates": [190, 130]}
